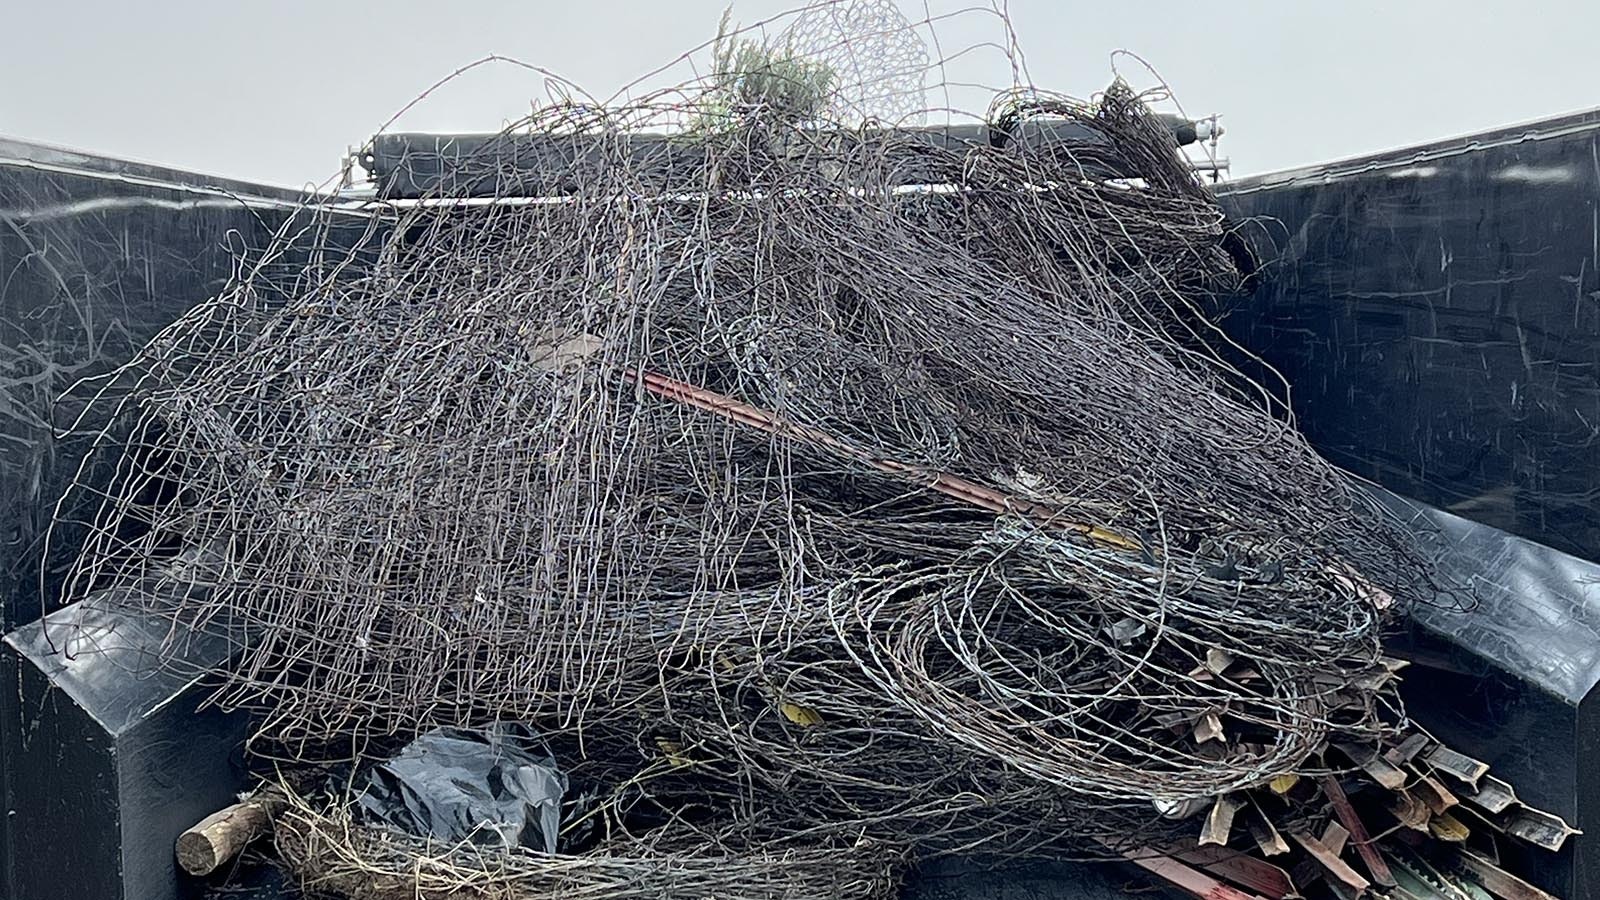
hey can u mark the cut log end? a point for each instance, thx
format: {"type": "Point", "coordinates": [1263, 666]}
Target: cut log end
{"type": "Point", "coordinates": [220, 836]}
{"type": "Point", "coordinates": [197, 854]}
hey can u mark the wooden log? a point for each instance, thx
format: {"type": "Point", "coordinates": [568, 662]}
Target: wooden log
{"type": "Point", "coordinates": [220, 836]}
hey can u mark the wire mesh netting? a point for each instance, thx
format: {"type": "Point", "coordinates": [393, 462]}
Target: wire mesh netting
{"type": "Point", "coordinates": [814, 483]}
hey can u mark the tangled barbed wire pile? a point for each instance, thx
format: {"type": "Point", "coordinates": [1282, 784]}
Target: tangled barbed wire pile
{"type": "Point", "coordinates": [888, 488]}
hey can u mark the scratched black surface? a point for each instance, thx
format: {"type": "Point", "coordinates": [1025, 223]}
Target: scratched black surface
{"type": "Point", "coordinates": [1437, 310]}
{"type": "Point", "coordinates": [96, 256]}
{"type": "Point", "coordinates": [115, 757]}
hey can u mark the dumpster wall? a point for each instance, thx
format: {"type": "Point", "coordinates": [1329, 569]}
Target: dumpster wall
{"type": "Point", "coordinates": [96, 256]}
{"type": "Point", "coordinates": [1437, 310]}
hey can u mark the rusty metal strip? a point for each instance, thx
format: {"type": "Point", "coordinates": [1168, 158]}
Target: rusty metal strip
{"type": "Point", "coordinates": [945, 483]}
{"type": "Point", "coordinates": [1240, 868]}
{"type": "Point", "coordinates": [1358, 832]}
{"type": "Point", "coordinates": [1439, 798]}
{"type": "Point", "coordinates": [1266, 835]}
{"type": "Point", "coordinates": [1498, 881]}
{"type": "Point", "coordinates": [1334, 837]}
{"type": "Point", "coordinates": [1459, 765]}
{"type": "Point", "coordinates": [1186, 877]}
{"type": "Point", "coordinates": [1330, 861]}
{"type": "Point", "coordinates": [1540, 828]}
{"type": "Point", "coordinates": [954, 486]}
{"type": "Point", "coordinates": [1219, 823]}
{"type": "Point", "coordinates": [1492, 794]}
{"type": "Point", "coordinates": [1407, 750]}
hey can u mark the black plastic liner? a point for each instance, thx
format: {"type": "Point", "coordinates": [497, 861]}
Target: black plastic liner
{"type": "Point", "coordinates": [498, 787]}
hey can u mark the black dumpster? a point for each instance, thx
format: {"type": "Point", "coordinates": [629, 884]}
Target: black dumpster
{"type": "Point", "coordinates": [1431, 314]}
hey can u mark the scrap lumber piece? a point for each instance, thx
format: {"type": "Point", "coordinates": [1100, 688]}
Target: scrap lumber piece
{"type": "Point", "coordinates": [220, 836]}
{"type": "Point", "coordinates": [1365, 847]}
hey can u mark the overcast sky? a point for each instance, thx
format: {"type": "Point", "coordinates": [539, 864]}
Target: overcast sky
{"type": "Point", "coordinates": [274, 90]}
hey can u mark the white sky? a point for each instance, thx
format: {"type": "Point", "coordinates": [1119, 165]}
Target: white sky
{"type": "Point", "coordinates": [275, 91]}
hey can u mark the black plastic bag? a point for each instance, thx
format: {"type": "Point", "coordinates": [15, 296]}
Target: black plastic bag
{"type": "Point", "coordinates": [497, 787]}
